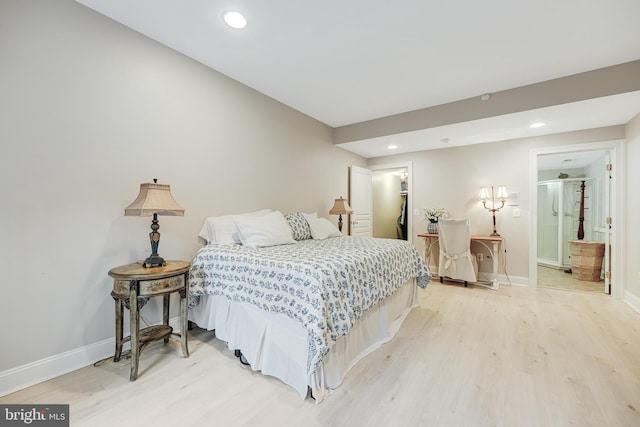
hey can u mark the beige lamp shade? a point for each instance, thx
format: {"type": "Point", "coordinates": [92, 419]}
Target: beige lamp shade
{"type": "Point", "coordinates": [485, 194]}
{"type": "Point", "coordinates": [340, 207]}
{"type": "Point", "coordinates": [502, 193]}
{"type": "Point", "coordinates": [154, 199]}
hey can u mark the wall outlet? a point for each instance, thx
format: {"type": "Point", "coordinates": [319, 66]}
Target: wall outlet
{"type": "Point", "coordinates": [516, 212]}
{"type": "Point", "coordinates": [416, 212]}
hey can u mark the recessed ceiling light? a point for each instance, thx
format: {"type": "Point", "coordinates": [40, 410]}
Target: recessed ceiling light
{"type": "Point", "coordinates": [537, 125]}
{"type": "Point", "coordinates": [392, 147]}
{"type": "Point", "coordinates": [235, 19]}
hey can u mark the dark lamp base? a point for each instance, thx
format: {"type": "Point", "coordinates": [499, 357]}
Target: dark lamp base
{"type": "Point", "coordinates": [154, 261]}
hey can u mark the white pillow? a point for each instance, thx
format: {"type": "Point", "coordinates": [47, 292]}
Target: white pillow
{"type": "Point", "coordinates": [223, 230]}
{"type": "Point", "coordinates": [267, 230]}
{"type": "Point", "coordinates": [321, 228]}
{"type": "Point", "coordinates": [310, 217]}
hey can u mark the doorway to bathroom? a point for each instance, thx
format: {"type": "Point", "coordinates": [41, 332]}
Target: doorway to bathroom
{"type": "Point", "coordinates": [572, 211]}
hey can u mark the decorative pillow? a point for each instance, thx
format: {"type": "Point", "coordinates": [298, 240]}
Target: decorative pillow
{"type": "Point", "coordinates": [299, 226]}
{"type": "Point", "coordinates": [223, 230]}
{"type": "Point", "coordinates": [321, 228]}
{"type": "Point", "coordinates": [267, 230]}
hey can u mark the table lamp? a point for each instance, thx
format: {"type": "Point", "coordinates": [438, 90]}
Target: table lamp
{"type": "Point", "coordinates": [154, 199]}
{"type": "Point", "coordinates": [339, 208]}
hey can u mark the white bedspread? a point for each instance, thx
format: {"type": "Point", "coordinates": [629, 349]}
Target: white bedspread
{"type": "Point", "coordinates": [326, 285]}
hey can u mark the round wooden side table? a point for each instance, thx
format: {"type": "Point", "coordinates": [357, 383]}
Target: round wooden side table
{"type": "Point", "coordinates": [133, 285]}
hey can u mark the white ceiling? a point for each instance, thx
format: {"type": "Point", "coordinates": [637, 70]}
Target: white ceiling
{"type": "Point", "coordinates": [345, 62]}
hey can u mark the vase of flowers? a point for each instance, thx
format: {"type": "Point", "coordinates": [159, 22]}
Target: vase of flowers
{"type": "Point", "coordinates": [433, 215]}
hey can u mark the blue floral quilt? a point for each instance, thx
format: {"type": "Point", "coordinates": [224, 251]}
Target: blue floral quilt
{"type": "Point", "coordinates": [326, 285]}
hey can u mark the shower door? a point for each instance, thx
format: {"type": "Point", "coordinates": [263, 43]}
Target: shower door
{"type": "Point", "coordinates": [559, 218]}
{"type": "Point", "coordinates": [549, 226]}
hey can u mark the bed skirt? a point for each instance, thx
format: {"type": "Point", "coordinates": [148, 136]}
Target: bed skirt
{"type": "Point", "coordinates": [277, 345]}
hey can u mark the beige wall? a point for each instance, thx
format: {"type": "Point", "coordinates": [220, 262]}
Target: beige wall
{"type": "Point", "coordinates": [89, 110]}
{"type": "Point", "coordinates": [632, 209]}
{"type": "Point", "coordinates": [452, 177]}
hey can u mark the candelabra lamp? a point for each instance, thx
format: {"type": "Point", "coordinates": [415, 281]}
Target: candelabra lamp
{"type": "Point", "coordinates": [340, 207]}
{"type": "Point", "coordinates": [154, 199]}
{"type": "Point", "coordinates": [487, 195]}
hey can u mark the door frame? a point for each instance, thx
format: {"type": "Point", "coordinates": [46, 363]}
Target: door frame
{"type": "Point", "coordinates": [409, 166]}
{"type": "Point", "coordinates": [617, 235]}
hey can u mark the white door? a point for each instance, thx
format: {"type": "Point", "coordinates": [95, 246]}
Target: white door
{"type": "Point", "coordinates": [360, 200]}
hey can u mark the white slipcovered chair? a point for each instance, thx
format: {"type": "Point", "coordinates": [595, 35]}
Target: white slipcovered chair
{"type": "Point", "coordinates": [456, 261]}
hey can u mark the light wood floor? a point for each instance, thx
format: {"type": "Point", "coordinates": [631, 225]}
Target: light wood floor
{"type": "Point", "coordinates": [465, 357]}
{"type": "Point", "coordinates": [553, 278]}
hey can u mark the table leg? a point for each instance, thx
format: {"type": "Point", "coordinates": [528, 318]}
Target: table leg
{"type": "Point", "coordinates": [134, 325]}
{"type": "Point", "coordinates": [165, 312]}
{"type": "Point", "coordinates": [492, 251]}
{"type": "Point", "coordinates": [496, 285]}
{"type": "Point", "coordinates": [184, 327]}
{"type": "Point", "coordinates": [119, 312]}
{"type": "Point", "coordinates": [427, 251]}
{"type": "Point", "coordinates": [428, 245]}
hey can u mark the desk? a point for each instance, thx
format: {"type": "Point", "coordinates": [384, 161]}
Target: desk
{"type": "Point", "coordinates": [432, 239]}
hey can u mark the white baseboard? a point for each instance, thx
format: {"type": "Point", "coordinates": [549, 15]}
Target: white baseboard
{"type": "Point", "coordinates": [513, 280]}
{"type": "Point", "coordinates": [486, 276]}
{"type": "Point", "coordinates": [42, 370]}
{"type": "Point", "coordinates": [36, 372]}
{"type": "Point", "coordinates": [633, 300]}
{"type": "Point", "coordinates": [504, 280]}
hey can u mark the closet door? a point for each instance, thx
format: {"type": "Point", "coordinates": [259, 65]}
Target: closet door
{"type": "Point", "coordinates": [360, 200]}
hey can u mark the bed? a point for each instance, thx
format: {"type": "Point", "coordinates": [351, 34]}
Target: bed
{"type": "Point", "coordinates": [307, 310]}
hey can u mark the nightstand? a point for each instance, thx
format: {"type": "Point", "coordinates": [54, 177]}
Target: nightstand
{"type": "Point", "coordinates": [133, 285]}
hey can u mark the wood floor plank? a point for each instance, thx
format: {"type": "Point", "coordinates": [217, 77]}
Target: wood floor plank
{"type": "Point", "coordinates": [465, 357]}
